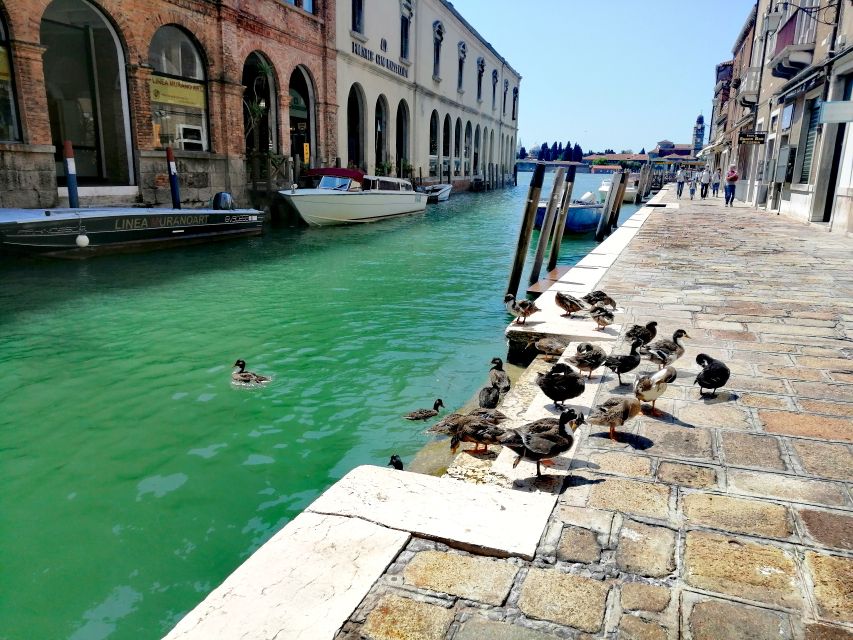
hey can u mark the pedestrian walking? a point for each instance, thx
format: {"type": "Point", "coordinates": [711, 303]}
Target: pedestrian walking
{"type": "Point", "coordinates": [704, 181]}
{"type": "Point", "coordinates": [679, 182]}
{"type": "Point", "coordinates": [731, 180]}
{"type": "Point", "coordinates": [692, 184]}
{"type": "Point", "coordinates": [715, 183]}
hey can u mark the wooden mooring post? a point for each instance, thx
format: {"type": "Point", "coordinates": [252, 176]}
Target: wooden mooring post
{"type": "Point", "coordinates": [560, 226]}
{"type": "Point", "coordinates": [526, 230]}
{"type": "Point", "coordinates": [620, 198]}
{"type": "Point", "coordinates": [609, 202]}
{"type": "Point", "coordinates": [548, 223]}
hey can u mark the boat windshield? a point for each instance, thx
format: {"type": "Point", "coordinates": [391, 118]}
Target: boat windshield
{"type": "Point", "coordinates": [334, 182]}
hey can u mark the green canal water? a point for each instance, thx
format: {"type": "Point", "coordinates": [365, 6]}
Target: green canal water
{"type": "Point", "coordinates": [136, 477]}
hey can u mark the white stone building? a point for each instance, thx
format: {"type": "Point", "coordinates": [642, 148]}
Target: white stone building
{"type": "Point", "coordinates": [421, 93]}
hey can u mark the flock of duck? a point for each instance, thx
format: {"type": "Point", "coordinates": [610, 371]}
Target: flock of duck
{"type": "Point", "coordinates": [544, 439]}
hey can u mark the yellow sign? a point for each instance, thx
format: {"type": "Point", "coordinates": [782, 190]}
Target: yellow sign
{"type": "Point", "coordinates": [178, 92]}
{"type": "Point", "coordinates": [5, 72]}
{"type": "Point", "coordinates": [306, 152]}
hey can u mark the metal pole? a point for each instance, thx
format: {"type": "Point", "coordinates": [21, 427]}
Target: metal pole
{"type": "Point", "coordinates": [526, 227]}
{"type": "Point", "coordinates": [174, 187]}
{"type": "Point", "coordinates": [560, 226]}
{"type": "Point", "coordinates": [70, 174]}
{"type": "Point", "coordinates": [547, 224]}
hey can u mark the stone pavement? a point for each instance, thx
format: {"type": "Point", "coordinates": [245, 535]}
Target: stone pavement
{"type": "Point", "coordinates": [721, 518]}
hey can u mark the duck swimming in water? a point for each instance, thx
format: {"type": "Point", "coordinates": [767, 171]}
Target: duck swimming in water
{"type": "Point", "coordinates": [247, 377]}
{"type": "Point", "coordinates": [425, 414]}
{"type": "Point", "coordinates": [714, 374]}
{"type": "Point", "coordinates": [395, 462]}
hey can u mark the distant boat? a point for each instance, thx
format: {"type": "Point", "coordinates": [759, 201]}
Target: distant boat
{"type": "Point", "coordinates": [630, 190]}
{"type": "Point", "coordinates": [84, 232]}
{"type": "Point", "coordinates": [437, 192]}
{"type": "Point", "coordinates": [346, 196]}
{"type": "Point", "coordinates": [583, 214]}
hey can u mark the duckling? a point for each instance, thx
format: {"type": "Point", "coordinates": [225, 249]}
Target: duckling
{"type": "Point", "coordinates": [651, 387]}
{"type": "Point", "coordinates": [425, 414]}
{"type": "Point", "coordinates": [588, 358]}
{"type": "Point", "coordinates": [714, 374]}
{"type": "Point", "coordinates": [481, 433]}
{"type": "Point", "coordinates": [497, 375]}
{"type": "Point", "coordinates": [645, 334]}
{"type": "Point", "coordinates": [561, 383]}
{"type": "Point", "coordinates": [521, 309]}
{"type": "Point", "coordinates": [455, 421]}
{"type": "Point", "coordinates": [544, 439]}
{"type": "Point", "coordinates": [247, 377]}
{"type": "Point", "coordinates": [395, 462]}
{"type": "Point", "coordinates": [603, 317]}
{"type": "Point", "coordinates": [614, 412]}
{"type": "Point", "coordinates": [489, 397]}
{"type": "Point", "coordinates": [624, 364]}
{"type": "Point", "coordinates": [599, 296]}
{"type": "Point", "coordinates": [568, 303]}
{"type": "Point", "coordinates": [664, 352]}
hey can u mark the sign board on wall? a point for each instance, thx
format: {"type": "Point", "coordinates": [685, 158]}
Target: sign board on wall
{"type": "Point", "coordinates": [836, 111]}
{"type": "Point", "coordinates": [306, 153]}
{"type": "Point", "coordinates": [177, 92]}
{"type": "Point", "coordinates": [751, 137]}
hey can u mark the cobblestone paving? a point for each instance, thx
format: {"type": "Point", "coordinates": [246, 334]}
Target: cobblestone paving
{"type": "Point", "coordinates": [720, 518]}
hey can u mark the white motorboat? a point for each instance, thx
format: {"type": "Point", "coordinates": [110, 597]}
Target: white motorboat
{"type": "Point", "coordinates": [437, 192]}
{"type": "Point", "coordinates": [346, 196]}
{"type": "Point", "coordinates": [630, 189]}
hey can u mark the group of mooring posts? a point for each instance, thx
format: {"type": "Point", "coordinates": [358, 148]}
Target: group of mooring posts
{"type": "Point", "coordinates": [71, 176]}
{"type": "Point", "coordinates": [612, 204]}
{"type": "Point", "coordinates": [553, 223]}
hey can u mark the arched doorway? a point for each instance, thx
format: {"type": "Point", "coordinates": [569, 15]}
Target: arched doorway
{"type": "Point", "coordinates": [446, 148]}
{"type": "Point", "coordinates": [87, 99]}
{"type": "Point", "coordinates": [477, 151]}
{"type": "Point", "coordinates": [259, 111]}
{"type": "Point", "coordinates": [402, 147]}
{"type": "Point", "coordinates": [468, 142]}
{"type": "Point", "coordinates": [380, 136]}
{"type": "Point", "coordinates": [302, 128]}
{"type": "Point", "coordinates": [355, 127]}
{"type": "Point", "coordinates": [433, 144]}
{"type": "Point", "coordinates": [457, 148]}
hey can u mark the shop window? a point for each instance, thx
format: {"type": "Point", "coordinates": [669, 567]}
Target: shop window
{"type": "Point", "coordinates": [437, 39]}
{"type": "Point", "coordinates": [9, 131]}
{"type": "Point", "coordinates": [811, 137]}
{"type": "Point", "coordinates": [178, 91]}
{"type": "Point", "coordinates": [358, 16]}
{"type": "Point", "coordinates": [481, 69]}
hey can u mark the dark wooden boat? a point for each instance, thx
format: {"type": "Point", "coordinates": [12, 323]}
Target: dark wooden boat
{"type": "Point", "coordinates": [80, 233]}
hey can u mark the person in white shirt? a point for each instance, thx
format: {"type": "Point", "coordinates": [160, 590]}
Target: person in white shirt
{"type": "Point", "coordinates": [679, 182]}
{"type": "Point", "coordinates": [704, 181]}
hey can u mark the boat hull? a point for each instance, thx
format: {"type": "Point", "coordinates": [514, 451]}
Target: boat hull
{"type": "Point", "coordinates": [580, 219]}
{"type": "Point", "coordinates": [438, 192]}
{"type": "Point", "coordinates": [54, 233]}
{"type": "Point", "coordinates": [325, 207]}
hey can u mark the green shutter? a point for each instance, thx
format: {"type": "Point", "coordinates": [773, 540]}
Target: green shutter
{"type": "Point", "coordinates": [808, 151]}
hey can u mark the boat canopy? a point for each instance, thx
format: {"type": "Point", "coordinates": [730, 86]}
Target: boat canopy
{"type": "Point", "coordinates": [336, 172]}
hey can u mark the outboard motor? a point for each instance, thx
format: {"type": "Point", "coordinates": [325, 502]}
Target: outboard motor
{"type": "Point", "coordinates": [222, 201]}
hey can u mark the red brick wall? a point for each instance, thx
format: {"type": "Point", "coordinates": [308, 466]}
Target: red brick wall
{"type": "Point", "coordinates": [227, 32]}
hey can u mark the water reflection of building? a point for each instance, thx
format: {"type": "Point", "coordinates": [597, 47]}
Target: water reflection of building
{"type": "Point", "coordinates": [224, 84]}
{"type": "Point", "coordinates": [421, 92]}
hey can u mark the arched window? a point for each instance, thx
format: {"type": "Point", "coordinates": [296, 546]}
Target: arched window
{"type": "Point", "coordinates": [463, 52]}
{"type": "Point", "coordinates": [178, 91]}
{"type": "Point", "coordinates": [9, 130]}
{"type": "Point", "coordinates": [437, 39]}
{"type": "Point", "coordinates": [481, 69]}
{"type": "Point", "coordinates": [506, 88]}
{"type": "Point", "coordinates": [406, 14]}
{"type": "Point", "coordinates": [494, 87]}
{"type": "Point", "coordinates": [457, 146]}
{"type": "Point", "coordinates": [433, 144]}
{"type": "Point", "coordinates": [514, 102]}
{"type": "Point", "coordinates": [380, 137]}
{"type": "Point", "coordinates": [469, 135]}
{"type": "Point", "coordinates": [358, 16]}
{"type": "Point", "coordinates": [445, 145]}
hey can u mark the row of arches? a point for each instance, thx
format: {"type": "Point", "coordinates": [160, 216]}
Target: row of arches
{"type": "Point", "coordinates": [106, 107]}
{"type": "Point", "coordinates": [452, 153]}
{"type": "Point", "coordinates": [357, 143]}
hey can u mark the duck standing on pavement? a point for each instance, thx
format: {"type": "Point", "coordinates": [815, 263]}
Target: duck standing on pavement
{"type": "Point", "coordinates": [651, 387]}
{"type": "Point", "coordinates": [497, 375]}
{"type": "Point", "coordinates": [568, 303]}
{"type": "Point", "coordinates": [714, 374]}
{"type": "Point", "coordinates": [561, 383]}
{"type": "Point", "coordinates": [599, 296]}
{"type": "Point", "coordinates": [602, 315]}
{"type": "Point", "coordinates": [664, 352]}
{"type": "Point", "coordinates": [588, 358]}
{"type": "Point", "coordinates": [643, 333]}
{"type": "Point", "coordinates": [623, 364]}
{"type": "Point", "coordinates": [543, 439]}
{"type": "Point", "coordinates": [521, 309]}
{"type": "Point", "coordinates": [613, 413]}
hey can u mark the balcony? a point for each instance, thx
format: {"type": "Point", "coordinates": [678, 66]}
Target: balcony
{"type": "Point", "coordinates": [748, 94]}
{"type": "Point", "coordinates": [794, 46]}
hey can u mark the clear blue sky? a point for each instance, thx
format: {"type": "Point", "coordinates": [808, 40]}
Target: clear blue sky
{"type": "Point", "coordinates": [621, 74]}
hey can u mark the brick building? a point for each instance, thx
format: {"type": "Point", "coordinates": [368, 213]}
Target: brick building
{"type": "Point", "coordinates": [220, 82]}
